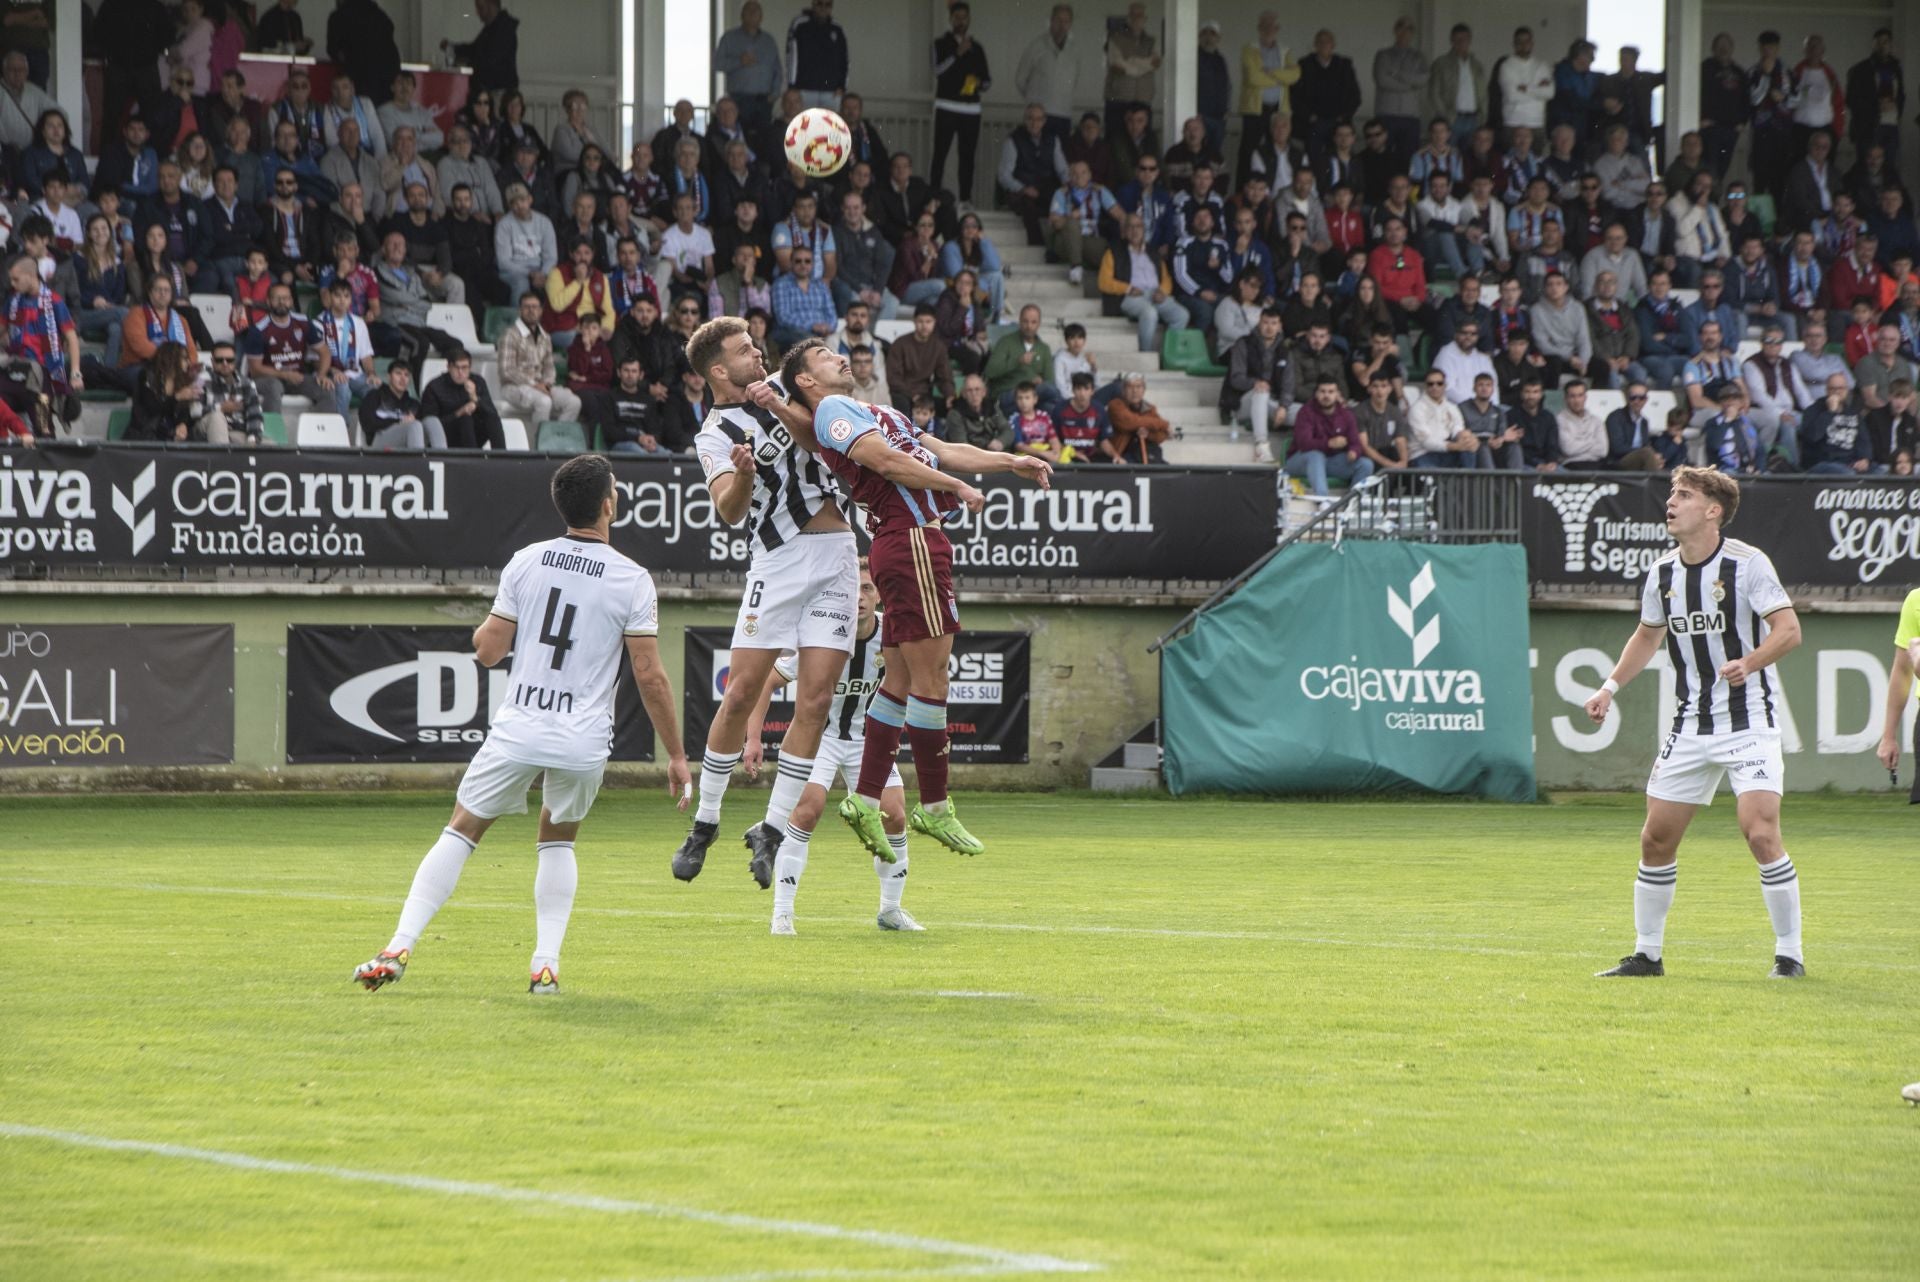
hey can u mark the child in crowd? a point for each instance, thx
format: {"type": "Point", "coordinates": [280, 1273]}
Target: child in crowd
{"type": "Point", "coordinates": [250, 290]}
{"type": "Point", "coordinates": [923, 420]}
{"type": "Point", "coordinates": [1073, 359]}
{"type": "Point", "coordinates": [590, 359]}
{"type": "Point", "coordinates": [1083, 426]}
{"type": "Point", "coordinates": [1033, 431]}
{"type": "Point", "coordinates": [1673, 446]}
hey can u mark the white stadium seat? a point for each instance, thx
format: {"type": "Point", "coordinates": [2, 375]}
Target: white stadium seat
{"type": "Point", "coordinates": [431, 368]}
{"type": "Point", "coordinates": [516, 433]}
{"type": "Point", "coordinates": [1686, 297]}
{"type": "Point", "coordinates": [216, 313]}
{"type": "Point", "coordinates": [455, 319]}
{"type": "Point", "coordinates": [322, 431]}
{"type": "Point", "coordinates": [1603, 401]}
{"type": "Point", "coordinates": [892, 330]}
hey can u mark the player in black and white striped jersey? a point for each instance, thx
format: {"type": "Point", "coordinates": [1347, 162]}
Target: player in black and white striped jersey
{"type": "Point", "coordinates": [1726, 620]}
{"type": "Point", "coordinates": [802, 583]}
{"type": "Point", "coordinates": [840, 751]}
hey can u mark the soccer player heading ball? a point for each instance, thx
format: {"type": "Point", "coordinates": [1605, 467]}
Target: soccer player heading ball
{"type": "Point", "coordinates": [898, 474]}
{"type": "Point", "coordinates": [1727, 621]}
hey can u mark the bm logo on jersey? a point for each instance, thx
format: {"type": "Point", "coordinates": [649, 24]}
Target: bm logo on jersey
{"type": "Point", "coordinates": [777, 443]}
{"type": "Point", "coordinates": [1697, 623]}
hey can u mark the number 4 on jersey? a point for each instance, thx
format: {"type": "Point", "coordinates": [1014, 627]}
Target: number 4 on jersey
{"type": "Point", "coordinates": [562, 639]}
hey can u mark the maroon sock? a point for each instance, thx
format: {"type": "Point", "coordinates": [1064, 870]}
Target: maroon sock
{"type": "Point", "coordinates": [883, 743]}
{"type": "Point", "coordinates": [929, 744]}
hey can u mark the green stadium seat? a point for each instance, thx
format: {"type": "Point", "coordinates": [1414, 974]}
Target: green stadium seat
{"type": "Point", "coordinates": [560, 368]}
{"type": "Point", "coordinates": [117, 424]}
{"type": "Point", "coordinates": [1186, 350]}
{"type": "Point", "coordinates": [557, 437]}
{"type": "Point", "coordinates": [273, 427]}
{"type": "Point", "coordinates": [1761, 206]}
{"type": "Point", "coordinates": [497, 320]}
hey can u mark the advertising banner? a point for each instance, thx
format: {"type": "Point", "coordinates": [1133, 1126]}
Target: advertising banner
{"type": "Point", "coordinates": [196, 508]}
{"type": "Point", "coordinates": [1366, 667]}
{"type": "Point", "coordinates": [397, 694]}
{"type": "Point", "coordinates": [1819, 531]}
{"type": "Point", "coordinates": [1830, 695]}
{"type": "Point", "coordinates": [988, 692]}
{"type": "Point", "coordinates": [116, 694]}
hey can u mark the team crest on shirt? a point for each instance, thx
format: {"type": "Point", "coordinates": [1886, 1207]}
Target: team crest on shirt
{"type": "Point", "coordinates": [1719, 590]}
{"type": "Point", "coordinates": [840, 429]}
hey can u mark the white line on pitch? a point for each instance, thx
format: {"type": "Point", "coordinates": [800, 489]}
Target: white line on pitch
{"type": "Point", "coordinates": [992, 1258]}
{"type": "Point", "coordinates": [839, 1275]}
{"type": "Point", "coordinates": [969, 992]}
{"type": "Point", "coordinates": [1436, 943]}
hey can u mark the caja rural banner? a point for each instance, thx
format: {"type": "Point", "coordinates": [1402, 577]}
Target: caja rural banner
{"type": "Point", "coordinates": [116, 694]}
{"type": "Point", "coordinates": [1819, 531]}
{"type": "Point", "coordinates": [988, 692]}
{"type": "Point", "coordinates": [394, 694]}
{"type": "Point", "coordinates": [1363, 667]}
{"type": "Point", "coordinates": [196, 507]}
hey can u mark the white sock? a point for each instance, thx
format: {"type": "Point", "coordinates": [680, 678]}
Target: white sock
{"type": "Point", "coordinates": [1652, 898]}
{"type": "Point", "coordinates": [1780, 887]}
{"type": "Point", "coordinates": [433, 883]}
{"type": "Point", "coordinates": [787, 867]}
{"type": "Point", "coordinates": [936, 807]}
{"type": "Point", "coordinates": [553, 886]}
{"type": "Point", "coordinates": [893, 876]}
{"type": "Point", "coordinates": [789, 781]}
{"type": "Point", "coordinates": [716, 771]}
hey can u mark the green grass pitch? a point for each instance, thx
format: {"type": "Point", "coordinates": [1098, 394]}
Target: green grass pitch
{"type": "Point", "coordinates": [1165, 1040]}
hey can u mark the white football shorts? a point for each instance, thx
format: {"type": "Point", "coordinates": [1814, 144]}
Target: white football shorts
{"type": "Point", "coordinates": [805, 592]}
{"type": "Point", "coordinates": [841, 758]}
{"type": "Point", "coordinates": [494, 785]}
{"type": "Point", "coordinates": [1689, 767]}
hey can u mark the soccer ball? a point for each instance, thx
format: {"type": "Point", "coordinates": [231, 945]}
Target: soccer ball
{"type": "Point", "coordinates": [818, 142]}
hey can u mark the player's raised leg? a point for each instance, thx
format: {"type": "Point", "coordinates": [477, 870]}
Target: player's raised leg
{"type": "Point", "coordinates": [726, 739]}
{"type": "Point", "coordinates": [433, 884]}
{"type": "Point", "coordinates": [819, 669]}
{"type": "Point", "coordinates": [935, 814]}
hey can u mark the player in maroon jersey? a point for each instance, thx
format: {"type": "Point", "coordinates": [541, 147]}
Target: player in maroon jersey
{"type": "Point", "coordinates": [897, 474]}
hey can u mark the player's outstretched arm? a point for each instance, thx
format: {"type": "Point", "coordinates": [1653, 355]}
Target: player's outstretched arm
{"type": "Point", "coordinates": [493, 639]}
{"type": "Point", "coordinates": [971, 458]}
{"type": "Point", "coordinates": [1639, 651]}
{"type": "Point", "coordinates": [656, 695]}
{"type": "Point", "coordinates": [1783, 635]}
{"type": "Point", "coordinates": [872, 452]}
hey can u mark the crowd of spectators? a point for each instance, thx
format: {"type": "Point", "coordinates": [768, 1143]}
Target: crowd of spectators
{"type": "Point", "coordinates": [1506, 237]}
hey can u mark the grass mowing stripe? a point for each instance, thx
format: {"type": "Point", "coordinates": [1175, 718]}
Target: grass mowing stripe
{"type": "Point", "coordinates": [1431, 941]}
{"type": "Point", "coordinates": [997, 1260]}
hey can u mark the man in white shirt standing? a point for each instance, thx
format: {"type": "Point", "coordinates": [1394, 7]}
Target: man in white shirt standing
{"type": "Point", "coordinates": [1526, 86]}
{"type": "Point", "coordinates": [589, 605]}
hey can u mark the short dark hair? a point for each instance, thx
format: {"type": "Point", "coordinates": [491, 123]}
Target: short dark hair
{"type": "Point", "coordinates": [1070, 332]}
{"type": "Point", "coordinates": [1572, 383]}
{"type": "Point", "coordinates": [1026, 385]}
{"type": "Point", "coordinates": [580, 485]}
{"type": "Point", "coordinates": [1272, 311]}
{"type": "Point", "coordinates": [925, 309]}
{"type": "Point", "coordinates": [1084, 379]}
{"type": "Point", "coordinates": [457, 355]}
{"type": "Point", "coordinates": [795, 364]}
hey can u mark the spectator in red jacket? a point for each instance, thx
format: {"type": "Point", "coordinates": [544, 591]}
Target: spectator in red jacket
{"type": "Point", "coordinates": [1326, 440]}
{"type": "Point", "coordinates": [1401, 274]}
